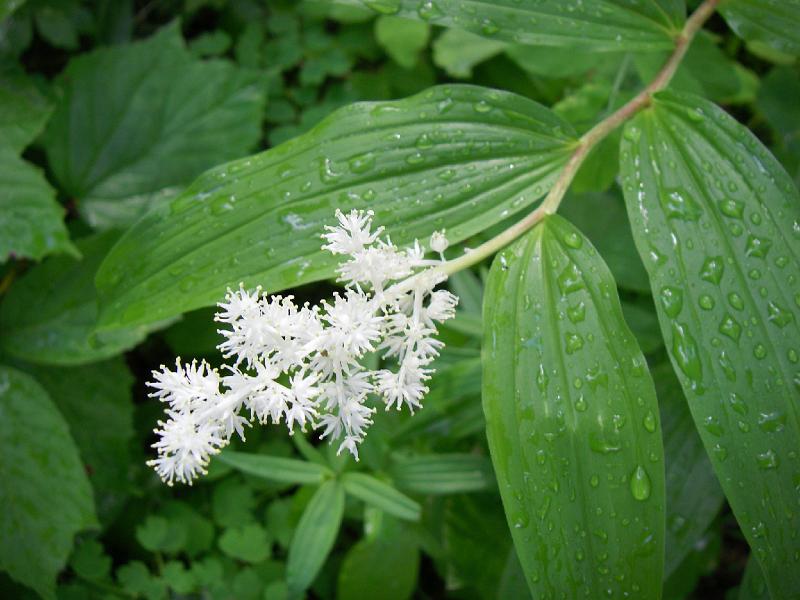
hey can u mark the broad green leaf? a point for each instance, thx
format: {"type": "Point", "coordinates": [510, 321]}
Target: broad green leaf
{"type": "Point", "coordinates": [753, 585]}
{"type": "Point", "coordinates": [45, 498]}
{"type": "Point", "coordinates": [31, 221]}
{"type": "Point", "coordinates": [717, 223]}
{"type": "Point", "coordinates": [232, 501]}
{"type": "Point", "coordinates": [572, 421]}
{"type": "Point", "coordinates": [694, 496]}
{"type": "Point", "coordinates": [137, 120]}
{"type": "Point", "coordinates": [314, 536]}
{"type": "Point", "coordinates": [403, 39]}
{"type": "Point", "coordinates": [460, 157]}
{"type": "Point", "coordinates": [23, 109]}
{"type": "Point", "coordinates": [284, 470]}
{"type": "Point", "coordinates": [608, 25]}
{"type": "Point", "coordinates": [383, 566]}
{"type": "Point", "coordinates": [381, 495]}
{"type": "Point", "coordinates": [50, 313]}
{"type": "Point", "coordinates": [443, 473]}
{"type": "Point", "coordinates": [96, 402]}
{"type": "Point", "coordinates": [775, 23]}
{"type": "Point", "coordinates": [458, 52]}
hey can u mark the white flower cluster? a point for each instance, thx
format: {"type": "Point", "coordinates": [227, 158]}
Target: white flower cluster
{"type": "Point", "coordinates": [305, 364]}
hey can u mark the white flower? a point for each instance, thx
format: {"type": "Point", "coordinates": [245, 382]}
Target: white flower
{"type": "Point", "coordinates": [439, 242]}
{"type": "Point", "coordinates": [305, 365]}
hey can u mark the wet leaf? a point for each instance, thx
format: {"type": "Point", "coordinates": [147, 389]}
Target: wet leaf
{"type": "Point", "coordinates": [460, 157]}
{"type": "Point", "coordinates": [717, 223]}
{"type": "Point", "coordinates": [572, 421]}
{"type": "Point", "coordinates": [610, 25]}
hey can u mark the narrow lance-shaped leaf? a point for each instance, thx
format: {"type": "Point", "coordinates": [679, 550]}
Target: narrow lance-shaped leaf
{"type": "Point", "coordinates": [443, 473]}
{"type": "Point", "coordinates": [381, 495]}
{"type": "Point", "coordinates": [454, 157]}
{"type": "Point", "coordinates": [610, 25]}
{"type": "Point", "coordinates": [572, 421]}
{"type": "Point", "coordinates": [274, 468]}
{"type": "Point", "coordinates": [314, 536]}
{"type": "Point", "coordinates": [717, 223]}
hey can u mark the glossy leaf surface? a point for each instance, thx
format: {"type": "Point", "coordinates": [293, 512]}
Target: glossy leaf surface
{"type": "Point", "coordinates": [572, 421]}
{"type": "Point", "coordinates": [460, 157]}
{"type": "Point", "coordinates": [717, 223]}
{"type": "Point", "coordinates": [610, 25]}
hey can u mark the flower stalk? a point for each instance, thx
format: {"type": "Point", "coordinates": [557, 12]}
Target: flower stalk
{"type": "Point", "coordinates": [587, 142]}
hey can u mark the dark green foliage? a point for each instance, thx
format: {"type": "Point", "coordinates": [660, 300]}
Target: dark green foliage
{"type": "Point", "coordinates": [633, 360]}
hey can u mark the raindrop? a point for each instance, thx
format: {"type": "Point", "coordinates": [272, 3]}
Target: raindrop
{"type": "Point", "coordinates": [570, 280]}
{"type": "Point", "coordinates": [732, 208]}
{"type": "Point", "coordinates": [428, 10]}
{"type": "Point", "coordinates": [362, 163]}
{"type": "Point", "coordinates": [574, 342]}
{"type": "Point", "coordinates": [772, 422]}
{"type": "Point", "coordinates": [778, 315]}
{"type": "Point", "coordinates": [767, 460]}
{"type": "Point", "coordinates": [573, 240]}
{"type": "Point", "coordinates": [649, 421]}
{"type": "Point", "coordinates": [757, 246]}
{"type": "Point", "coordinates": [672, 301]}
{"type": "Point", "coordinates": [737, 404]}
{"type": "Point", "coordinates": [706, 302]}
{"type": "Point", "coordinates": [730, 327]}
{"type": "Point", "coordinates": [640, 484]}
{"type": "Point", "coordinates": [712, 269]}
{"type": "Point", "coordinates": [482, 106]}
{"type": "Point", "coordinates": [678, 206]}
{"type": "Point", "coordinates": [577, 312]}
{"type": "Point", "coordinates": [685, 352]}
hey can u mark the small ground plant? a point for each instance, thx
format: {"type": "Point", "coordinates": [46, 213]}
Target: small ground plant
{"type": "Point", "coordinates": [521, 279]}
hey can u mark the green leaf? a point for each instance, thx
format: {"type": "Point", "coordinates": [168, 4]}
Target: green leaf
{"type": "Point", "coordinates": [694, 496]}
{"type": "Point", "coordinates": [23, 110]}
{"type": "Point", "coordinates": [136, 579]}
{"type": "Point", "coordinates": [31, 221]}
{"type": "Point", "coordinates": [314, 536]}
{"type": "Point", "coordinates": [572, 420]}
{"type": "Point", "coordinates": [474, 157]}
{"type": "Point", "coordinates": [90, 561]}
{"type": "Point", "coordinates": [137, 120]}
{"type": "Point", "coordinates": [96, 402]}
{"type": "Point", "coordinates": [49, 315]}
{"type": "Point", "coordinates": [443, 473]}
{"type": "Point", "coordinates": [232, 503]}
{"type": "Point", "coordinates": [249, 543]}
{"type": "Point", "coordinates": [384, 566]}
{"type": "Point", "coordinates": [381, 495]}
{"type": "Point", "coordinates": [9, 6]}
{"type": "Point", "coordinates": [717, 223]}
{"type": "Point", "coordinates": [773, 23]}
{"type": "Point", "coordinates": [458, 52]}
{"type": "Point", "coordinates": [284, 470]}
{"type": "Point", "coordinates": [403, 39]}
{"type": "Point", "coordinates": [609, 25]}
{"type": "Point", "coordinates": [45, 498]}
{"type": "Point", "coordinates": [753, 585]}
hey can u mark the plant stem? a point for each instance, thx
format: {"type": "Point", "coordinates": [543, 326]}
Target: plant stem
{"type": "Point", "coordinates": [588, 141]}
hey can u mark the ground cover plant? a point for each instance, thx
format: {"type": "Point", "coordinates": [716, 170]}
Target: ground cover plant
{"type": "Point", "coordinates": [399, 299]}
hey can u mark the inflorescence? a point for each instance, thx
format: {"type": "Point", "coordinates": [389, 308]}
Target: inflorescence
{"type": "Point", "coordinates": [305, 364]}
